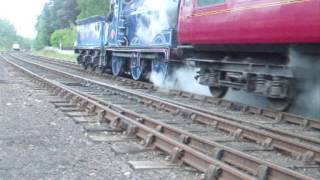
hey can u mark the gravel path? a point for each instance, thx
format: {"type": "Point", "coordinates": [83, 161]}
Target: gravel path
{"type": "Point", "coordinates": [39, 142]}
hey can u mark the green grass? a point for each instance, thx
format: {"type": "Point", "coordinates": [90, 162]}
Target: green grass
{"type": "Point", "coordinates": [54, 54]}
{"type": "Point", "coordinates": [2, 49]}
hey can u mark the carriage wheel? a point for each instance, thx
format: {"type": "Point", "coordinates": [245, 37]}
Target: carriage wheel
{"type": "Point", "coordinates": [280, 104]}
{"type": "Point", "coordinates": [218, 92]}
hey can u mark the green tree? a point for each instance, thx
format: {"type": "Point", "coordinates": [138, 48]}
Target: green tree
{"type": "Point", "coordinates": [56, 14]}
{"type": "Point", "coordinates": [44, 27]}
{"type": "Point", "coordinates": [25, 43]}
{"type": "Point", "coordinates": [62, 14]}
{"type": "Point", "coordinates": [8, 34]}
{"type": "Point", "coordinates": [92, 7]}
{"type": "Point", "coordinates": [63, 37]}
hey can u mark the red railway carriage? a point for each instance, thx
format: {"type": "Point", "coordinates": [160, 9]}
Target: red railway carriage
{"type": "Point", "coordinates": [244, 44]}
{"type": "Point", "coordinates": [249, 21]}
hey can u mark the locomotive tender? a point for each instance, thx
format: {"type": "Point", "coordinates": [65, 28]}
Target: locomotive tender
{"type": "Point", "coordinates": [238, 44]}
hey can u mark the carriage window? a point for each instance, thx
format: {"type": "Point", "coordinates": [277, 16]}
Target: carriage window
{"type": "Point", "coordinates": [209, 2]}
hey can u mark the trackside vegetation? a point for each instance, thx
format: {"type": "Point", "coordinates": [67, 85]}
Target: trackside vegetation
{"type": "Point", "coordinates": [56, 24]}
{"type": "Point", "coordinates": [9, 36]}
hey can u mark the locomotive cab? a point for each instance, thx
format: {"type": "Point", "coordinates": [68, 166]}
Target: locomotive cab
{"type": "Point", "coordinates": [141, 36]}
{"type": "Point", "coordinates": [141, 23]}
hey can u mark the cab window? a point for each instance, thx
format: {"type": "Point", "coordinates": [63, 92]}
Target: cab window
{"type": "Point", "coordinates": [209, 2]}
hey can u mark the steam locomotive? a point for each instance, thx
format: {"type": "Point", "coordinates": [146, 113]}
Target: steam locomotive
{"type": "Point", "coordinates": [238, 44]}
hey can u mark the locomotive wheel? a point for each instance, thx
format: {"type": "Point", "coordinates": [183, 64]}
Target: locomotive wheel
{"type": "Point", "coordinates": [159, 66]}
{"type": "Point", "coordinates": [101, 70]}
{"type": "Point", "coordinates": [280, 104]}
{"type": "Point", "coordinates": [86, 62]}
{"type": "Point", "coordinates": [84, 65]}
{"type": "Point", "coordinates": [91, 67]}
{"type": "Point", "coordinates": [94, 63]}
{"type": "Point", "coordinates": [80, 59]}
{"type": "Point", "coordinates": [94, 68]}
{"type": "Point", "coordinates": [218, 92]}
{"type": "Point", "coordinates": [117, 66]}
{"type": "Point", "coordinates": [137, 68]}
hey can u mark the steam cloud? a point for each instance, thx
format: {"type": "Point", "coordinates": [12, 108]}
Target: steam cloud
{"type": "Point", "coordinates": [181, 79]}
{"type": "Point", "coordinates": [157, 15]}
{"type": "Point", "coordinates": [307, 102]}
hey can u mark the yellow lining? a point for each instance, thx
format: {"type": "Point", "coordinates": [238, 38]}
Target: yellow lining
{"type": "Point", "coordinates": [257, 6]}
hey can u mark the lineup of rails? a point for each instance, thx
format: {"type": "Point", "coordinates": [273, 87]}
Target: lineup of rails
{"type": "Point", "coordinates": [216, 143]}
{"type": "Point", "coordinates": [307, 122]}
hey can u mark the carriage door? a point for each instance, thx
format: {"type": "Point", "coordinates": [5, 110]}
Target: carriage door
{"type": "Point", "coordinates": [185, 21]}
{"type": "Point", "coordinates": [211, 18]}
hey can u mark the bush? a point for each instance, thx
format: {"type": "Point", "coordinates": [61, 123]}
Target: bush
{"type": "Point", "coordinates": [66, 37]}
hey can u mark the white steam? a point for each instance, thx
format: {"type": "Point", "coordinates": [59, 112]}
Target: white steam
{"type": "Point", "coordinates": [157, 15]}
{"type": "Point", "coordinates": [247, 98]}
{"type": "Point", "coordinates": [184, 79]}
{"type": "Point", "coordinates": [307, 102]}
{"type": "Point", "coordinates": [181, 79]}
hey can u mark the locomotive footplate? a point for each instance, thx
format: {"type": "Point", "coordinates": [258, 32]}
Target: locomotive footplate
{"type": "Point", "coordinates": [271, 81]}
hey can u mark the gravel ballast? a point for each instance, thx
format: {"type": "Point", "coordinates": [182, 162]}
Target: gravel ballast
{"type": "Point", "coordinates": [38, 141]}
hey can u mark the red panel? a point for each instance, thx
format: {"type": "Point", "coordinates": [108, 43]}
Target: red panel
{"type": "Point", "coordinates": [251, 22]}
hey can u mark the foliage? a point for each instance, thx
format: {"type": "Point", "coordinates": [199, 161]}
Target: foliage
{"type": "Point", "coordinates": [64, 37]}
{"type": "Point", "coordinates": [25, 43]}
{"type": "Point", "coordinates": [93, 7]}
{"type": "Point", "coordinates": [58, 17]}
{"type": "Point", "coordinates": [8, 36]}
{"type": "Point", "coordinates": [55, 54]}
{"type": "Point", "coordinates": [56, 14]}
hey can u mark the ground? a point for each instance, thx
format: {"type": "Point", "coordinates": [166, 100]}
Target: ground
{"type": "Point", "coordinates": [55, 54]}
{"type": "Point", "coordinates": [38, 141]}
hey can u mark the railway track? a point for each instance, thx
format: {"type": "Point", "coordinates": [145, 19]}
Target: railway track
{"type": "Point", "coordinates": [269, 120]}
{"type": "Point", "coordinates": [205, 100]}
{"type": "Point", "coordinates": [218, 144]}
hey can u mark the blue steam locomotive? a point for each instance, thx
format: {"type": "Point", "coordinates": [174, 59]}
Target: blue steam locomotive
{"type": "Point", "coordinates": [135, 38]}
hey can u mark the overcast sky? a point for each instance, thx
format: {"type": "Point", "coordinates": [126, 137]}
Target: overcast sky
{"type": "Point", "coordinates": [22, 14]}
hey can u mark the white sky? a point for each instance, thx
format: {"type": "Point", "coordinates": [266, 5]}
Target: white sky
{"type": "Point", "coordinates": [22, 14]}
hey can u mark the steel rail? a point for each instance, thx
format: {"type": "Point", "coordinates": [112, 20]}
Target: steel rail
{"type": "Point", "coordinates": [298, 150]}
{"type": "Point", "coordinates": [268, 113]}
{"type": "Point", "coordinates": [253, 124]}
{"type": "Point", "coordinates": [228, 155]}
{"type": "Point", "coordinates": [187, 155]}
{"type": "Point", "coordinates": [139, 84]}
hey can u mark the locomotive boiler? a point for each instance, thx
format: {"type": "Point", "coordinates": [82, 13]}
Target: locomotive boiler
{"type": "Point", "coordinates": [238, 44]}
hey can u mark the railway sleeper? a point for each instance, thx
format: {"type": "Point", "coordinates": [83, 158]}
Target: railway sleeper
{"type": "Point", "coordinates": [162, 137]}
